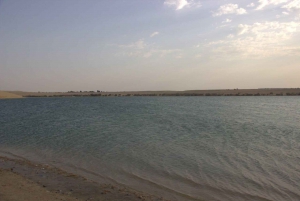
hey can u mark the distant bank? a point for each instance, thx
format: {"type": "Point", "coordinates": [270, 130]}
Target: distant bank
{"type": "Point", "coordinates": [223, 92]}
{"type": "Point", "coordinates": [6, 95]}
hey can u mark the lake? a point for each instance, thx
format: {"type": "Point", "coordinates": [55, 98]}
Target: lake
{"type": "Point", "coordinates": [181, 148]}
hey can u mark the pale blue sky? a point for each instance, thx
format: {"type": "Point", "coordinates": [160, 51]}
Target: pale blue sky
{"type": "Point", "coordinates": [61, 45]}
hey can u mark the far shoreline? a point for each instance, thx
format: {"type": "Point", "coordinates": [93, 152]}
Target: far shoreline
{"type": "Point", "coordinates": [222, 92]}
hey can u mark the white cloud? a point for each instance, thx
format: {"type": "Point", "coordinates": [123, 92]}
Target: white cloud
{"type": "Point", "coordinates": [180, 4]}
{"type": "Point", "coordinates": [285, 13]}
{"type": "Point", "coordinates": [264, 3]}
{"type": "Point", "coordinates": [260, 40]}
{"type": "Point", "coordinates": [142, 49]}
{"type": "Point", "coordinates": [140, 44]}
{"type": "Point", "coordinates": [161, 52]}
{"type": "Point", "coordinates": [293, 5]}
{"type": "Point", "coordinates": [250, 5]}
{"type": "Point", "coordinates": [227, 21]}
{"type": "Point", "coordinates": [271, 30]}
{"type": "Point", "coordinates": [230, 9]}
{"type": "Point", "coordinates": [154, 34]}
{"type": "Point", "coordinates": [179, 56]}
{"type": "Point", "coordinates": [147, 54]}
{"type": "Point", "coordinates": [243, 28]}
{"type": "Point", "coordinates": [195, 4]}
{"type": "Point", "coordinates": [230, 36]}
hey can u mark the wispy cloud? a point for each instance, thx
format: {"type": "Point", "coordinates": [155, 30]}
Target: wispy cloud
{"type": "Point", "coordinates": [180, 4]}
{"type": "Point", "coordinates": [229, 9]}
{"type": "Point", "coordinates": [259, 40]}
{"type": "Point", "coordinates": [250, 5]}
{"type": "Point", "coordinates": [264, 3]}
{"type": "Point", "coordinates": [293, 5]}
{"type": "Point", "coordinates": [195, 3]}
{"type": "Point", "coordinates": [154, 34]}
{"type": "Point", "coordinates": [161, 52]}
{"type": "Point", "coordinates": [227, 21]}
{"type": "Point", "coordinates": [140, 44]}
{"type": "Point", "coordinates": [142, 49]}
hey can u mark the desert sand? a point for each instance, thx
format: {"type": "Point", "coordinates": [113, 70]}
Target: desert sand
{"type": "Point", "coordinates": [22, 180]}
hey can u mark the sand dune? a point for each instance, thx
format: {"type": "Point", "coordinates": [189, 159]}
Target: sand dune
{"type": "Point", "coordinates": [4, 94]}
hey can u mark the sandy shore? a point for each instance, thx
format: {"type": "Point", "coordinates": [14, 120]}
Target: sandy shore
{"type": "Point", "coordinates": [5, 95]}
{"type": "Point", "coordinates": [14, 187]}
{"type": "Point", "coordinates": [21, 180]}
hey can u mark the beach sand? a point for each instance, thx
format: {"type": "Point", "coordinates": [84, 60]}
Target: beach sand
{"type": "Point", "coordinates": [22, 180]}
{"type": "Point", "coordinates": [4, 94]}
{"type": "Point", "coordinates": [14, 187]}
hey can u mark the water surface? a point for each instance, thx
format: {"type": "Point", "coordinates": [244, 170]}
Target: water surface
{"type": "Point", "coordinates": [183, 148]}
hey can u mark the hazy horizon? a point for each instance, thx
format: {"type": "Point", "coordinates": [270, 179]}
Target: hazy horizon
{"type": "Point", "coordinates": [103, 91]}
{"type": "Point", "coordinates": [149, 45]}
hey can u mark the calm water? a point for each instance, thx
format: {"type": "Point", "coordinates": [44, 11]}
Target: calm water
{"type": "Point", "coordinates": [183, 148]}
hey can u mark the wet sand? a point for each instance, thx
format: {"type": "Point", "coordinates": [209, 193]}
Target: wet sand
{"type": "Point", "coordinates": [14, 187]}
{"type": "Point", "coordinates": [22, 180]}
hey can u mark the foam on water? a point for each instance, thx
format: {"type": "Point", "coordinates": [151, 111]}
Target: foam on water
{"type": "Point", "coordinates": [183, 148]}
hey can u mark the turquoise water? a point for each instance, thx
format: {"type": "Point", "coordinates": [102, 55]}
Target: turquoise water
{"type": "Point", "coordinates": [182, 148]}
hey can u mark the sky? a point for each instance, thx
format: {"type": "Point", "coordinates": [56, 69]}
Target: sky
{"type": "Point", "coordinates": [138, 45]}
